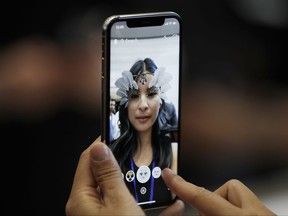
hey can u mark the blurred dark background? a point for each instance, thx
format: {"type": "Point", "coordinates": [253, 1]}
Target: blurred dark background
{"type": "Point", "coordinates": [234, 97]}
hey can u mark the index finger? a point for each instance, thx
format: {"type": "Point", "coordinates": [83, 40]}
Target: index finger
{"type": "Point", "coordinates": [204, 200]}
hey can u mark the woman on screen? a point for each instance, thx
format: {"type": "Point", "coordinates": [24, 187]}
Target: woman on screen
{"type": "Point", "coordinates": [145, 144]}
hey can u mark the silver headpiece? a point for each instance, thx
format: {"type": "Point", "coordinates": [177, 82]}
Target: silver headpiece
{"type": "Point", "coordinates": [126, 84]}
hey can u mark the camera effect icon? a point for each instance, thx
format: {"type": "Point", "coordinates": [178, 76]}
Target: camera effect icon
{"type": "Point", "coordinates": [143, 174]}
{"type": "Point", "coordinates": [156, 172]}
{"type": "Point", "coordinates": [130, 175]}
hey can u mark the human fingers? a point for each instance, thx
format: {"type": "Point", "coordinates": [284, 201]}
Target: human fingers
{"type": "Point", "coordinates": [177, 208]}
{"type": "Point", "coordinates": [108, 176]}
{"type": "Point", "coordinates": [83, 187]}
{"type": "Point", "coordinates": [204, 200]}
{"type": "Point", "coordinates": [83, 175]}
{"type": "Point", "coordinates": [240, 195]}
{"type": "Point", "coordinates": [236, 192]}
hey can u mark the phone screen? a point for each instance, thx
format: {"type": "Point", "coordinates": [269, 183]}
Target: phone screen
{"type": "Point", "coordinates": [142, 89]}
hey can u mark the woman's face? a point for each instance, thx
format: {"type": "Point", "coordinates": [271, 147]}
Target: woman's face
{"type": "Point", "coordinates": [143, 106]}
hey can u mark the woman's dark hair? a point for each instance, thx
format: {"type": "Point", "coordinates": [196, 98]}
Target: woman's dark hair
{"type": "Point", "coordinates": [125, 146]}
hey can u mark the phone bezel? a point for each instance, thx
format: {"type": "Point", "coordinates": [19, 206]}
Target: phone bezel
{"type": "Point", "coordinates": [143, 19]}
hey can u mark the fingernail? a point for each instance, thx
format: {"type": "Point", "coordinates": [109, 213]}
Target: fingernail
{"type": "Point", "coordinates": [100, 152]}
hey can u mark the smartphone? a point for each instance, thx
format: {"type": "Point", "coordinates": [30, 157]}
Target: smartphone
{"type": "Point", "coordinates": [141, 75]}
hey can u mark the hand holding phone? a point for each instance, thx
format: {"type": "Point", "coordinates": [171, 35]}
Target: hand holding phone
{"type": "Point", "coordinates": [141, 100]}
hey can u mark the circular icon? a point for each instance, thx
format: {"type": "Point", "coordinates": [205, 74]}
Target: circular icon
{"type": "Point", "coordinates": [130, 175]}
{"type": "Point", "coordinates": [143, 174]}
{"type": "Point", "coordinates": [156, 172]}
{"type": "Point", "coordinates": [122, 175]}
{"type": "Point", "coordinates": [143, 190]}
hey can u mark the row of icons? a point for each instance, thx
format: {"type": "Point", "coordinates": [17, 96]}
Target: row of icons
{"type": "Point", "coordinates": [143, 174]}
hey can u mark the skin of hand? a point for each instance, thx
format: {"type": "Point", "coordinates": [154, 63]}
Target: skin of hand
{"type": "Point", "coordinates": [98, 187]}
{"type": "Point", "coordinates": [232, 198]}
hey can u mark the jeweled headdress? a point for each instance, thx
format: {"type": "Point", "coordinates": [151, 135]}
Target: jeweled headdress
{"type": "Point", "coordinates": [127, 84]}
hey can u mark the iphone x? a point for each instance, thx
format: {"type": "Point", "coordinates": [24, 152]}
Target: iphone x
{"type": "Point", "coordinates": [141, 74]}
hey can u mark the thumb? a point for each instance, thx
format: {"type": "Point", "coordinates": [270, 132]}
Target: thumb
{"type": "Point", "coordinates": [107, 173]}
